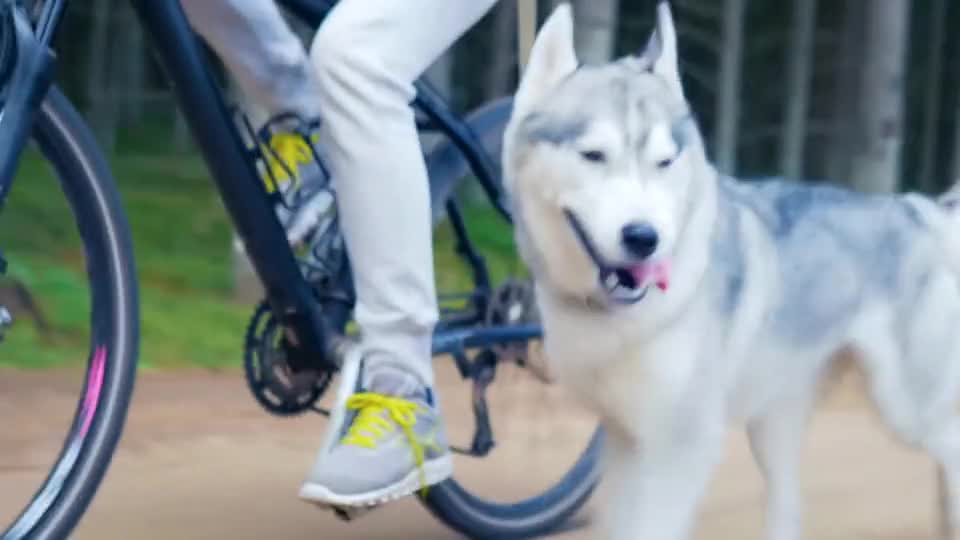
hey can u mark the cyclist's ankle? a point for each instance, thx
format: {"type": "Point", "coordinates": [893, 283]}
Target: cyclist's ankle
{"type": "Point", "coordinates": [410, 351]}
{"type": "Point", "coordinates": [387, 375]}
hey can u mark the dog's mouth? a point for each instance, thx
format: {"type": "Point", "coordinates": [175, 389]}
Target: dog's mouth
{"type": "Point", "coordinates": [621, 287]}
{"type": "Point", "coordinates": [626, 284]}
{"type": "Point", "coordinates": [629, 284]}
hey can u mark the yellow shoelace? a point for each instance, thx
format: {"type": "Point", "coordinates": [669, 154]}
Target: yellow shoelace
{"type": "Point", "coordinates": [370, 425]}
{"type": "Point", "coordinates": [289, 150]}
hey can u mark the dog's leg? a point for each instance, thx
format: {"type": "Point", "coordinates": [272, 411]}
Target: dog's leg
{"type": "Point", "coordinates": [944, 447]}
{"type": "Point", "coordinates": [940, 438]}
{"type": "Point", "coordinates": [946, 524]}
{"type": "Point", "coordinates": [619, 503]}
{"type": "Point", "coordinates": [917, 399]}
{"type": "Point", "coordinates": [775, 440]}
{"type": "Point", "coordinates": [654, 489]}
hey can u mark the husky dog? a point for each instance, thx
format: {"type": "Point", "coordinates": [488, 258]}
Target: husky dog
{"type": "Point", "coordinates": [676, 300]}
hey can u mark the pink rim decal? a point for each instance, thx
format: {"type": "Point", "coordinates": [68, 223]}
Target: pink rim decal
{"type": "Point", "coordinates": [94, 384]}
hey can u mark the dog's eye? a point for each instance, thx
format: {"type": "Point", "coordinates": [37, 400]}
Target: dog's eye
{"type": "Point", "coordinates": [664, 163]}
{"type": "Point", "coordinates": [595, 156]}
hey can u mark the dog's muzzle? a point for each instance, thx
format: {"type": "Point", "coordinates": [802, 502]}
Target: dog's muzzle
{"type": "Point", "coordinates": [618, 283]}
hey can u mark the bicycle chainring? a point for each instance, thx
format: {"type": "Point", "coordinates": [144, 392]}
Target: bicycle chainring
{"type": "Point", "coordinates": [276, 387]}
{"type": "Point", "coordinates": [513, 303]}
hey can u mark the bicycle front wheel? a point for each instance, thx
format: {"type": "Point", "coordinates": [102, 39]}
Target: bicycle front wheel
{"type": "Point", "coordinates": [57, 504]}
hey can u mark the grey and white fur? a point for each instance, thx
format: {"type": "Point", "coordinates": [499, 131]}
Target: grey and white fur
{"type": "Point", "coordinates": [677, 302]}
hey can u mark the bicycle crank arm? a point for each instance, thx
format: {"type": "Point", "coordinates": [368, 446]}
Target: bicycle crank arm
{"type": "Point", "coordinates": [352, 513]}
{"type": "Point", "coordinates": [481, 371]}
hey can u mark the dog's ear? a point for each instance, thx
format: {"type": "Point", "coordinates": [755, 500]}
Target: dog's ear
{"type": "Point", "coordinates": [661, 51]}
{"type": "Point", "coordinates": [552, 57]}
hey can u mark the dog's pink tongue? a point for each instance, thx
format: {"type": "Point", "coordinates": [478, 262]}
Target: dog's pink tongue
{"type": "Point", "coordinates": [657, 272]}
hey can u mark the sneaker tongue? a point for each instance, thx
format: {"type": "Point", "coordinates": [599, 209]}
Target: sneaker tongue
{"type": "Point", "coordinates": [392, 380]}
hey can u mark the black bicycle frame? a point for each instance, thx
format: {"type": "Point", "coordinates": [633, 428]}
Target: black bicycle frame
{"type": "Point", "coordinates": [238, 181]}
{"type": "Point", "coordinates": [231, 165]}
{"type": "Point", "coordinates": [28, 72]}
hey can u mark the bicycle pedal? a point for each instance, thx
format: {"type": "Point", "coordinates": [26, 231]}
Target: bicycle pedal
{"type": "Point", "coordinates": [351, 513]}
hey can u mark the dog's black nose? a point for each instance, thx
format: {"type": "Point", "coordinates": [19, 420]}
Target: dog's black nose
{"type": "Point", "coordinates": [640, 239]}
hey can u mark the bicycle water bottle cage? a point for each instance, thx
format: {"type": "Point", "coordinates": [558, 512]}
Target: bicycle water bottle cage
{"type": "Point", "coordinates": [289, 129]}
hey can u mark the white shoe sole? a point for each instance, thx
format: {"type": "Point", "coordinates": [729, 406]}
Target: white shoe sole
{"type": "Point", "coordinates": [436, 471]}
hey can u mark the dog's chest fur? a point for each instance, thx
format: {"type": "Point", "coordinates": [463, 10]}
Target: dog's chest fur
{"type": "Point", "coordinates": [606, 363]}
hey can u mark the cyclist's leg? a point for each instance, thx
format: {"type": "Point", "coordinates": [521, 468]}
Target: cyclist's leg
{"type": "Point", "coordinates": [367, 54]}
{"type": "Point", "coordinates": [270, 65]}
{"type": "Point", "coordinates": [261, 51]}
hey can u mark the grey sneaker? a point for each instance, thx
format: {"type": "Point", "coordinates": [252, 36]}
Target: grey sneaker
{"type": "Point", "coordinates": [392, 444]}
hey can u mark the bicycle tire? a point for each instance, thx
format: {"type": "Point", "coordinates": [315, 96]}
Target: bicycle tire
{"type": "Point", "coordinates": [448, 501]}
{"type": "Point", "coordinates": [541, 514]}
{"type": "Point", "coordinates": [68, 144]}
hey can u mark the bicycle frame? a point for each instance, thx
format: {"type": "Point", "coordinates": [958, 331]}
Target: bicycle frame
{"type": "Point", "coordinates": [232, 167]}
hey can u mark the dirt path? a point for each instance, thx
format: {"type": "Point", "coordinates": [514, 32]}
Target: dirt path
{"type": "Point", "coordinates": [200, 460]}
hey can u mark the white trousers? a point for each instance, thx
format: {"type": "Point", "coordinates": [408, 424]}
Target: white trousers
{"type": "Point", "coordinates": [358, 78]}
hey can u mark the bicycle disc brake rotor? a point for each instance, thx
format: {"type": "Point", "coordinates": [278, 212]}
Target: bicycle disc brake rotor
{"type": "Point", "coordinates": [274, 384]}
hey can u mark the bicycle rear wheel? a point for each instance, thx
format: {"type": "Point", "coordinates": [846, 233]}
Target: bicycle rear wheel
{"type": "Point", "coordinates": [541, 514]}
{"type": "Point", "coordinates": [67, 145]}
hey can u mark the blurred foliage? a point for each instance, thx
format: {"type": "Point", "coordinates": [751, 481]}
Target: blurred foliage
{"type": "Point", "coordinates": [181, 233]}
{"type": "Point", "coordinates": [182, 246]}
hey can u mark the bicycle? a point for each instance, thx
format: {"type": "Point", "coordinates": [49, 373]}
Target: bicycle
{"type": "Point", "coordinates": [307, 337]}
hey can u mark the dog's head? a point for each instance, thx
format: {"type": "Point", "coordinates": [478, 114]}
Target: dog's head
{"type": "Point", "coordinates": [600, 163]}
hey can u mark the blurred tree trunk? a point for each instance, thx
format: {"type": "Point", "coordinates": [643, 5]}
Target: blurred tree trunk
{"type": "Point", "coordinates": [728, 104]}
{"type": "Point", "coordinates": [99, 80]}
{"type": "Point", "coordinates": [955, 158]}
{"type": "Point", "coordinates": [440, 76]}
{"type": "Point", "coordinates": [927, 179]}
{"type": "Point", "coordinates": [181, 131]}
{"type": "Point", "coordinates": [876, 157]}
{"type": "Point", "coordinates": [545, 7]}
{"type": "Point", "coordinates": [844, 92]}
{"type": "Point", "coordinates": [530, 16]}
{"type": "Point", "coordinates": [800, 63]}
{"type": "Point", "coordinates": [134, 84]}
{"type": "Point", "coordinates": [596, 29]}
{"type": "Point", "coordinates": [503, 51]}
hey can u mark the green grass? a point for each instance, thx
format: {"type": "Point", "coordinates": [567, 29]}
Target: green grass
{"type": "Point", "coordinates": [182, 247]}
